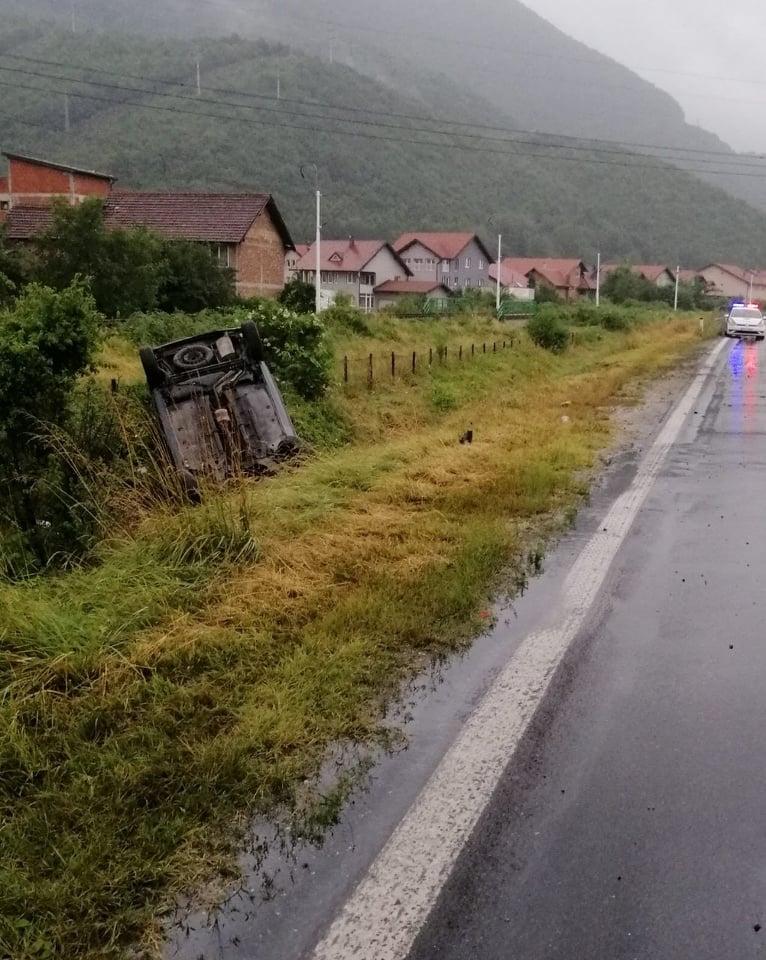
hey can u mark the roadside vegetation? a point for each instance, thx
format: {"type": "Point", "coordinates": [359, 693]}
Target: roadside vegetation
{"type": "Point", "coordinates": [170, 670]}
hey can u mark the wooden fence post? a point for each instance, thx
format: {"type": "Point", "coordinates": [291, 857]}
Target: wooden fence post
{"type": "Point", "coordinates": [393, 365]}
{"type": "Point", "coordinates": [473, 349]}
{"type": "Point", "coordinates": [460, 353]}
{"type": "Point", "coordinates": [414, 361]}
{"type": "Point", "coordinates": [494, 346]}
{"type": "Point", "coordinates": [370, 373]}
{"type": "Point", "coordinates": [345, 368]}
{"type": "Point", "coordinates": [430, 356]}
{"type": "Point", "coordinates": [483, 348]}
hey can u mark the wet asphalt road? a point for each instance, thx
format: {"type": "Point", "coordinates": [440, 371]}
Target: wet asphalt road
{"type": "Point", "coordinates": [635, 827]}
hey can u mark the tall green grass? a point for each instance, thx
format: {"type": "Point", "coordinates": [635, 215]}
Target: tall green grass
{"type": "Point", "coordinates": [200, 669]}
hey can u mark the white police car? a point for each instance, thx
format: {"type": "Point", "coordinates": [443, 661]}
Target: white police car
{"type": "Point", "coordinates": [745, 320]}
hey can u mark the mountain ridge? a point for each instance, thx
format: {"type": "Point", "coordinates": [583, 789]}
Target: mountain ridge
{"type": "Point", "coordinates": [548, 196]}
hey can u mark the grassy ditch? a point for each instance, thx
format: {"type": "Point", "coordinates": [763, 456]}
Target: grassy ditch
{"type": "Point", "coordinates": [202, 669]}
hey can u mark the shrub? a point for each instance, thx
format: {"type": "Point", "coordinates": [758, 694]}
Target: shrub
{"type": "Point", "coordinates": [546, 294]}
{"type": "Point", "coordinates": [614, 319]}
{"type": "Point", "coordinates": [548, 332]}
{"type": "Point", "coordinates": [345, 316]}
{"type": "Point", "coordinates": [193, 279]}
{"type": "Point", "coordinates": [298, 296]}
{"type": "Point", "coordinates": [124, 268]}
{"type": "Point", "coordinates": [586, 314]}
{"type": "Point", "coordinates": [47, 341]}
{"type": "Point", "coordinates": [296, 347]}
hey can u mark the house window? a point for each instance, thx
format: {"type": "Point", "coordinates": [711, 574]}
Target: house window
{"type": "Point", "coordinates": [457, 264]}
{"type": "Point", "coordinates": [481, 264]}
{"type": "Point", "coordinates": [351, 277]}
{"type": "Point", "coordinates": [481, 283]}
{"type": "Point", "coordinates": [468, 263]}
{"type": "Point", "coordinates": [445, 266]}
{"type": "Point", "coordinates": [368, 279]}
{"type": "Point", "coordinates": [456, 281]}
{"type": "Point", "coordinates": [366, 302]}
{"type": "Point", "coordinates": [223, 253]}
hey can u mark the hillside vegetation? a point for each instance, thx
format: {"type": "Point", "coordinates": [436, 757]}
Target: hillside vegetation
{"type": "Point", "coordinates": [545, 203]}
{"type": "Point", "coordinates": [499, 50]}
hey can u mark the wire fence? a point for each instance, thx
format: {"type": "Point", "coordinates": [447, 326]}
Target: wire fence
{"type": "Point", "coordinates": [402, 365]}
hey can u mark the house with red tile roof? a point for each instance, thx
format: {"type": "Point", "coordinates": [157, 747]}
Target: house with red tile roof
{"type": "Point", "coordinates": [657, 273]}
{"type": "Point", "coordinates": [245, 230]}
{"type": "Point", "coordinates": [390, 292]}
{"type": "Point", "coordinates": [728, 280]}
{"type": "Point", "coordinates": [458, 260]}
{"type": "Point", "coordinates": [292, 259]}
{"type": "Point", "coordinates": [353, 267]}
{"type": "Point", "coordinates": [568, 277]}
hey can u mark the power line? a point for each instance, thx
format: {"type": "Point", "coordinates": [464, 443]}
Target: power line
{"type": "Point", "coordinates": [388, 139]}
{"type": "Point", "coordinates": [741, 164]}
{"type": "Point", "coordinates": [730, 156]}
{"type": "Point", "coordinates": [526, 51]}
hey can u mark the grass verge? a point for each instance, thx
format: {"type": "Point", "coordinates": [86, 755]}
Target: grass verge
{"type": "Point", "coordinates": [201, 671]}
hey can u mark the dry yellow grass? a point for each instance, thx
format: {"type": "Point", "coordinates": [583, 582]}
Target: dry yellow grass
{"type": "Point", "coordinates": [224, 691]}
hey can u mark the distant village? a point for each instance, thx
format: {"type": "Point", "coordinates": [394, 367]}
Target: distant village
{"type": "Point", "coordinates": [249, 235]}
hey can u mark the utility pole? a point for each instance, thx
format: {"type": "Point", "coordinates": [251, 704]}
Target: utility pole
{"type": "Point", "coordinates": [598, 279]}
{"type": "Point", "coordinates": [319, 251]}
{"type": "Point", "coordinates": [199, 80]}
{"type": "Point", "coordinates": [318, 241]}
{"type": "Point", "coordinates": [678, 280]}
{"type": "Point", "coordinates": [499, 268]}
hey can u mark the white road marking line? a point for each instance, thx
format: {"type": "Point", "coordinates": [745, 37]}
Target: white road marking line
{"type": "Point", "coordinates": [385, 913]}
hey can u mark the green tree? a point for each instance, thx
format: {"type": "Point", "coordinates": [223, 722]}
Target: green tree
{"type": "Point", "coordinates": [194, 280]}
{"type": "Point", "coordinates": [299, 296]}
{"type": "Point", "coordinates": [125, 268]}
{"type": "Point", "coordinates": [47, 341]}
{"type": "Point", "coordinates": [623, 284]}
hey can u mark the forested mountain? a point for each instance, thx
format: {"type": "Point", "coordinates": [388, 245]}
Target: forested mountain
{"type": "Point", "coordinates": [139, 116]}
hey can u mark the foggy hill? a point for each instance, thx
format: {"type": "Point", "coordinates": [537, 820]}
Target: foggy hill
{"type": "Point", "coordinates": [548, 199]}
{"type": "Point", "coordinates": [497, 49]}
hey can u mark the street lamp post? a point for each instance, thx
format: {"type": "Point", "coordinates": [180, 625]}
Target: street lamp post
{"type": "Point", "coordinates": [318, 242]}
{"type": "Point", "coordinates": [678, 281]}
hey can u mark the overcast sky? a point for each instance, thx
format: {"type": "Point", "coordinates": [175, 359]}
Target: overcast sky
{"type": "Point", "coordinates": [717, 47]}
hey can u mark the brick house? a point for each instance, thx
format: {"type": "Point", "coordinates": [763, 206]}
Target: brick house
{"type": "Point", "coordinates": [245, 230]}
{"type": "Point", "coordinates": [32, 183]}
{"type": "Point", "coordinates": [353, 267]}
{"type": "Point", "coordinates": [458, 260]}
